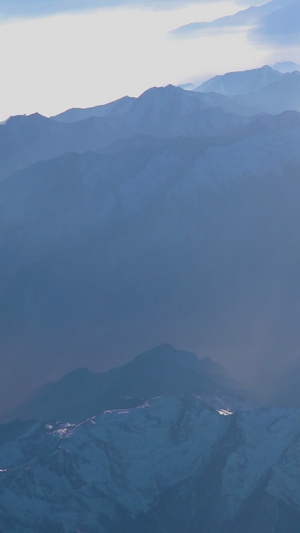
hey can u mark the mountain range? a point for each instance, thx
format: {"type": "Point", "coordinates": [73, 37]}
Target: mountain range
{"type": "Point", "coordinates": [169, 218]}
{"type": "Point", "coordinates": [161, 239]}
{"type": "Point", "coordinates": [154, 217]}
{"type": "Point", "coordinates": [263, 90]}
{"type": "Point", "coordinates": [170, 464]}
{"type": "Point", "coordinates": [243, 82]}
{"type": "Point", "coordinates": [160, 112]}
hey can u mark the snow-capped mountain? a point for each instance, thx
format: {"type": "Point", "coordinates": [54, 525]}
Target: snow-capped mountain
{"type": "Point", "coordinates": [170, 465]}
{"type": "Point", "coordinates": [169, 217]}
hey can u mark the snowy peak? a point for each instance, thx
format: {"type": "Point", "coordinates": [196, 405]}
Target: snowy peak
{"type": "Point", "coordinates": [172, 461]}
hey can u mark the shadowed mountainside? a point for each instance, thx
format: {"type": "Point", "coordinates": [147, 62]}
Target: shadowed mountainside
{"type": "Point", "coordinates": [162, 371]}
{"type": "Point", "coordinates": [160, 112]}
{"type": "Point", "coordinates": [186, 231]}
{"type": "Point", "coordinates": [173, 464]}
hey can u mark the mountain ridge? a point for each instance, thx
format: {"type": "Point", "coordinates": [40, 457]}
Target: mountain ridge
{"type": "Point", "coordinates": [160, 371]}
{"type": "Point", "coordinates": [172, 463]}
{"type": "Point", "coordinates": [160, 112]}
{"type": "Point", "coordinates": [147, 228]}
{"type": "Point", "coordinates": [240, 82]}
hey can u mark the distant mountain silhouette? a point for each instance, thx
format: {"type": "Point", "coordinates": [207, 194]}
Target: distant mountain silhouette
{"type": "Point", "coordinates": [242, 82]}
{"type": "Point", "coordinates": [118, 107]}
{"type": "Point", "coordinates": [263, 90]}
{"type": "Point", "coordinates": [175, 218]}
{"type": "Point", "coordinates": [281, 95]}
{"type": "Point", "coordinates": [162, 371]}
{"type": "Point", "coordinates": [154, 239]}
{"type": "Point", "coordinates": [286, 66]}
{"type": "Point", "coordinates": [160, 112]}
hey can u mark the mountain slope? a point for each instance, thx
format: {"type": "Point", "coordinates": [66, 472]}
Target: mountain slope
{"type": "Point", "coordinates": [286, 66]}
{"type": "Point", "coordinates": [287, 390]}
{"type": "Point", "coordinates": [243, 82]}
{"type": "Point", "coordinates": [159, 372]}
{"type": "Point", "coordinates": [160, 112]}
{"type": "Point", "coordinates": [263, 90]}
{"type": "Point", "coordinates": [118, 107]}
{"type": "Point", "coordinates": [189, 241]}
{"type": "Point", "coordinates": [281, 95]}
{"type": "Point", "coordinates": [173, 464]}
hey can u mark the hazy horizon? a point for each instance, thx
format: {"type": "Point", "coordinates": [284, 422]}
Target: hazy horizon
{"type": "Point", "coordinates": [115, 171]}
{"type": "Point", "coordinates": [85, 54]}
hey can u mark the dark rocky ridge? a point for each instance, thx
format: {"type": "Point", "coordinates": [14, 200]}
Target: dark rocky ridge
{"type": "Point", "coordinates": [162, 371]}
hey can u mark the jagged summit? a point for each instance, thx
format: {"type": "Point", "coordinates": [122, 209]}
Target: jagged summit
{"type": "Point", "coordinates": [17, 120]}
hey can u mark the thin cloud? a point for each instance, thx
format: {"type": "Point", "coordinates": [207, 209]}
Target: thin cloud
{"type": "Point", "coordinates": [280, 27]}
{"type": "Point", "coordinates": [244, 18]}
{"type": "Point", "coordinates": [275, 22]}
{"type": "Point", "coordinates": [248, 3]}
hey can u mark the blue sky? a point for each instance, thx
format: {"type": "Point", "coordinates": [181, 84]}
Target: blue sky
{"type": "Point", "coordinates": [57, 54]}
{"type": "Point", "coordinates": [29, 8]}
